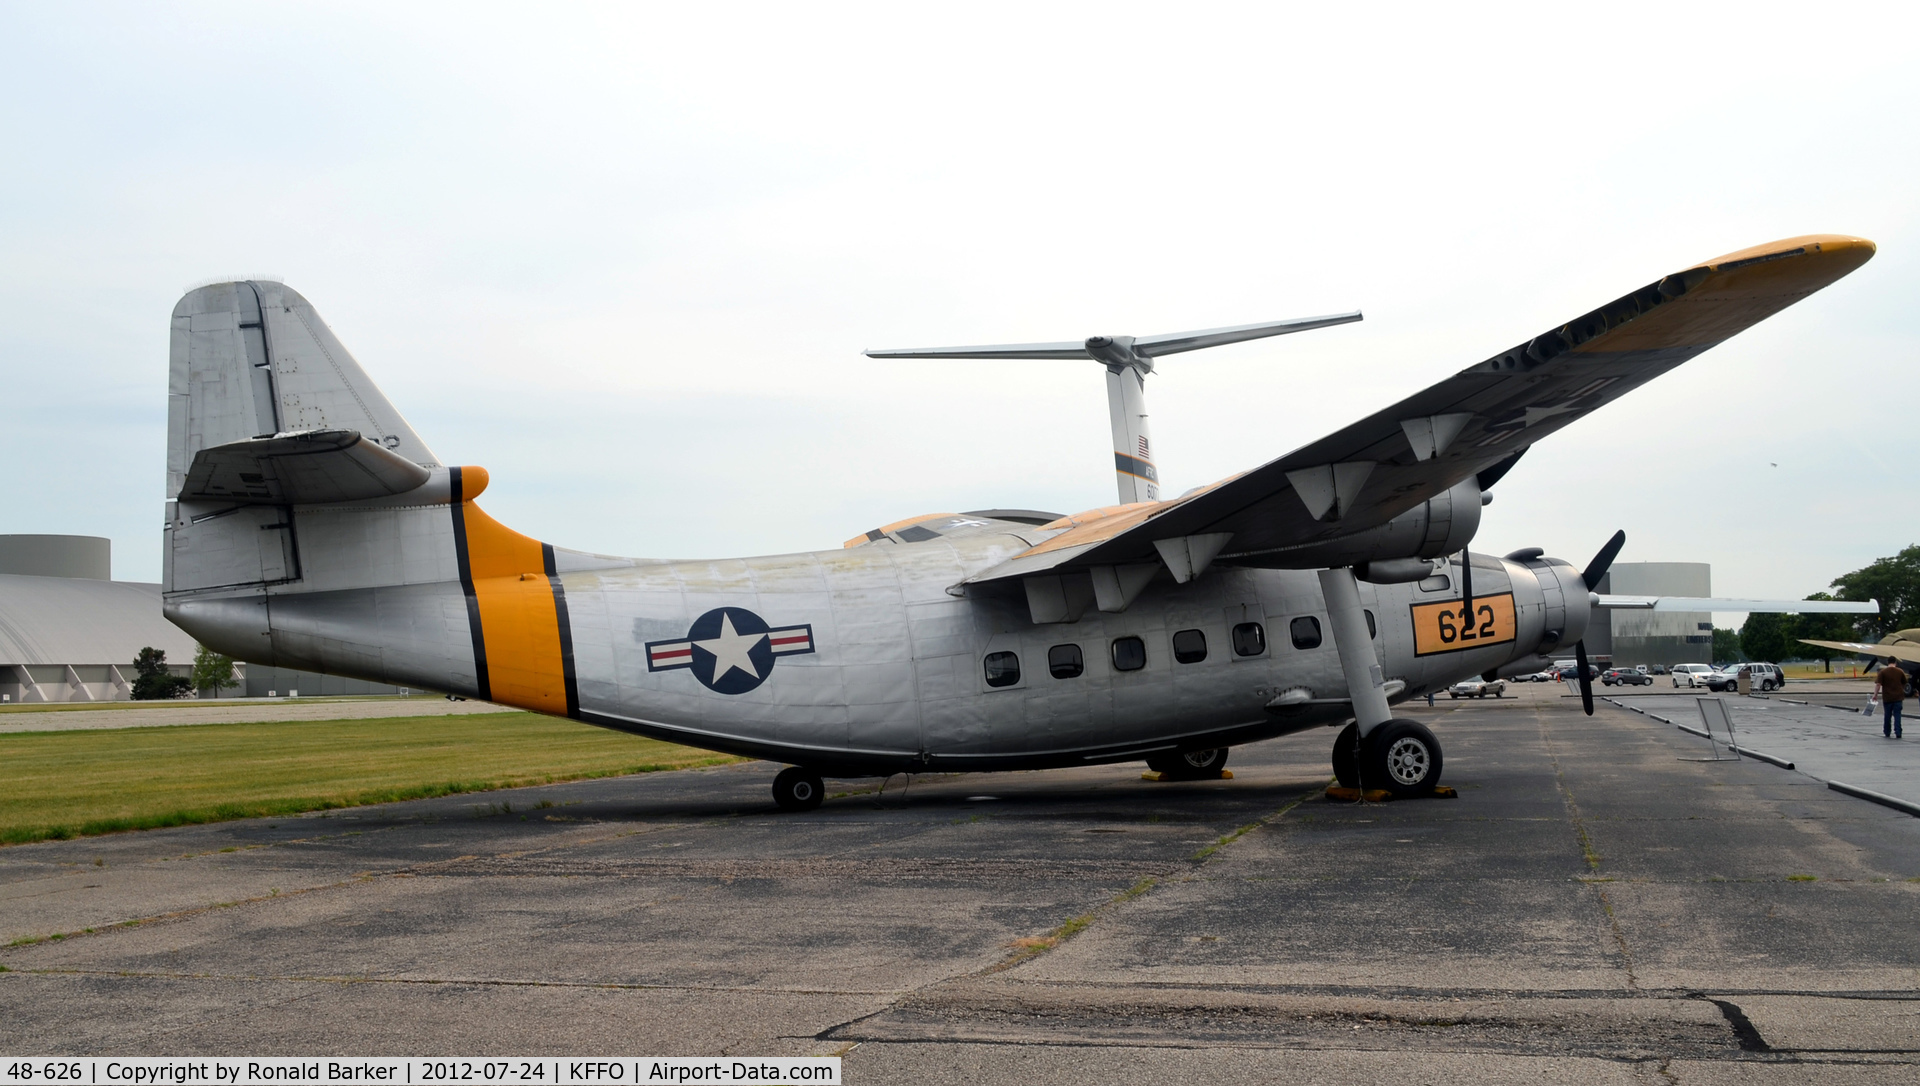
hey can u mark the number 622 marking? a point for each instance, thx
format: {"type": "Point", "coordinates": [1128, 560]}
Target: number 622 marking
{"type": "Point", "coordinates": [1444, 626]}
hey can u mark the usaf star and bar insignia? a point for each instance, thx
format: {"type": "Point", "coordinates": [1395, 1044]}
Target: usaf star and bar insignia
{"type": "Point", "coordinates": [730, 650]}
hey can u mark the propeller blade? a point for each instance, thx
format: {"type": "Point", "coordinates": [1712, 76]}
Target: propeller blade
{"type": "Point", "coordinates": [1597, 568]}
{"type": "Point", "coordinates": [1580, 659]}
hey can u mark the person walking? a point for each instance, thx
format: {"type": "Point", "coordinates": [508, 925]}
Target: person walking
{"type": "Point", "coordinates": [1893, 690]}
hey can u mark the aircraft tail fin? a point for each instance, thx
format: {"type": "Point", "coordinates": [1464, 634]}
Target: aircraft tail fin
{"type": "Point", "coordinates": [309, 527]}
{"type": "Point", "coordinates": [253, 359]}
{"type": "Point", "coordinates": [266, 410]}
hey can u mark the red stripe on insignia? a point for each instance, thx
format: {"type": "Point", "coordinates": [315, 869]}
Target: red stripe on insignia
{"type": "Point", "coordinates": [799, 639]}
{"type": "Point", "coordinates": [668, 654]}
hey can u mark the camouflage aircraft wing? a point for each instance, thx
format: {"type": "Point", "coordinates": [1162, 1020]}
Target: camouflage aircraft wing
{"type": "Point", "coordinates": [1904, 645]}
{"type": "Point", "coordinates": [1364, 475]}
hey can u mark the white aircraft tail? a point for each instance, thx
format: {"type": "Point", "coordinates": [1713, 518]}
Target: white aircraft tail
{"type": "Point", "coordinates": [1128, 360]}
{"type": "Point", "coordinates": [253, 359]}
{"type": "Point", "coordinates": [308, 526]}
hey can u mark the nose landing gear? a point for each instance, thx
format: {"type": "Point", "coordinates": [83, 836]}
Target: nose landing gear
{"type": "Point", "coordinates": [1401, 756]}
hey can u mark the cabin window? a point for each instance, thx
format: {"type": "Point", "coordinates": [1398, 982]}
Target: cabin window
{"type": "Point", "coordinates": [1065, 661]}
{"type": "Point", "coordinates": [1249, 639]}
{"type": "Point", "coordinates": [1305, 631]}
{"type": "Point", "coordinates": [1372, 630]}
{"type": "Point", "coordinates": [1003, 669]}
{"type": "Point", "coordinates": [1129, 654]}
{"type": "Point", "coordinates": [1189, 646]}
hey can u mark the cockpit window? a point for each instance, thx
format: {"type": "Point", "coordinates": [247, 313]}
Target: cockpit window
{"type": "Point", "coordinates": [914, 533]}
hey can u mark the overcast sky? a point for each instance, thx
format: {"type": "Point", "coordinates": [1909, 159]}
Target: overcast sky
{"type": "Point", "coordinates": [626, 257]}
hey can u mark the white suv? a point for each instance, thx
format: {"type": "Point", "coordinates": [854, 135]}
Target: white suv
{"type": "Point", "coordinates": [1691, 674]}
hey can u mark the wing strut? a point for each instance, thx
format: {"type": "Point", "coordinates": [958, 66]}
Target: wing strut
{"type": "Point", "coordinates": [1128, 360]}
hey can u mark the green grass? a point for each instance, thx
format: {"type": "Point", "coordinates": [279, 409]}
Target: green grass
{"type": "Point", "coordinates": [76, 783]}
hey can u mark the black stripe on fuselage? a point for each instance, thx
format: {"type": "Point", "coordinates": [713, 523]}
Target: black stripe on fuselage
{"type": "Point", "coordinates": [482, 687]}
{"type": "Point", "coordinates": [566, 632]}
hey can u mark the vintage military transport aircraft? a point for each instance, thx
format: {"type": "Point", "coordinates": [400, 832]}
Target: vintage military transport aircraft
{"type": "Point", "coordinates": [308, 526]}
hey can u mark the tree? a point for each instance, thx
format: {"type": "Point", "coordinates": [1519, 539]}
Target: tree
{"type": "Point", "coordinates": [1726, 646]}
{"type": "Point", "coordinates": [154, 682]}
{"type": "Point", "coordinates": [1824, 628]}
{"type": "Point", "coordinates": [1767, 636]}
{"type": "Point", "coordinates": [1895, 582]}
{"type": "Point", "coordinates": [211, 671]}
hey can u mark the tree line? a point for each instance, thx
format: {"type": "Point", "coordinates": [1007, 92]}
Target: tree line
{"type": "Point", "coordinates": [1894, 581]}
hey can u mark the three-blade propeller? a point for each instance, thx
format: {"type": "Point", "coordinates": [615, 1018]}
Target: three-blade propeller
{"type": "Point", "coordinates": [1595, 570]}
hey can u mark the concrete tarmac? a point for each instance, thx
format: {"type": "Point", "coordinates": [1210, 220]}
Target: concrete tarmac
{"type": "Point", "coordinates": [1824, 736]}
{"type": "Point", "coordinates": [1591, 908]}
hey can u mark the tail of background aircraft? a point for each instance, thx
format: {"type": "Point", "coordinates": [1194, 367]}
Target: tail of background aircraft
{"type": "Point", "coordinates": [308, 526]}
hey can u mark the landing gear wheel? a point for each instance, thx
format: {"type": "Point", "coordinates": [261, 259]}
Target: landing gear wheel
{"type": "Point", "coordinates": [798, 789]}
{"type": "Point", "coordinates": [1346, 757]}
{"type": "Point", "coordinates": [1193, 765]}
{"type": "Point", "coordinates": [1401, 756]}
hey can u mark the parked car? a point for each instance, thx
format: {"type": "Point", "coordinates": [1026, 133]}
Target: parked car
{"type": "Point", "coordinates": [1626, 676]}
{"type": "Point", "coordinates": [1691, 674]}
{"type": "Point", "coordinates": [1724, 681]}
{"type": "Point", "coordinates": [1477, 688]}
{"type": "Point", "coordinates": [1764, 677]}
{"type": "Point", "coordinates": [1657, 669]}
{"type": "Point", "coordinates": [1548, 676]}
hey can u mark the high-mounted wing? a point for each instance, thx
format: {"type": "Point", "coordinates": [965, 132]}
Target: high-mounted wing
{"type": "Point", "coordinates": [1696, 604]}
{"type": "Point", "coordinates": [1286, 512]}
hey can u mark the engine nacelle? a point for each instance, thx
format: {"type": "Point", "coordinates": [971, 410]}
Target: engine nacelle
{"type": "Point", "coordinates": [1440, 525]}
{"type": "Point", "coordinates": [1551, 604]}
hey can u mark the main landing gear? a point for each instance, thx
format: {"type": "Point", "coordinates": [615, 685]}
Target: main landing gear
{"type": "Point", "coordinates": [798, 789]}
{"type": "Point", "coordinates": [1401, 756]}
{"type": "Point", "coordinates": [1194, 765]}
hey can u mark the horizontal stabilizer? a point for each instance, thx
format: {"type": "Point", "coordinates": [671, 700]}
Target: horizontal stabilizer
{"type": "Point", "coordinates": [1100, 348]}
{"type": "Point", "coordinates": [1710, 603]}
{"type": "Point", "coordinates": [308, 468]}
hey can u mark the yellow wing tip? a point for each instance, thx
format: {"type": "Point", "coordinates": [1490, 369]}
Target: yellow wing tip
{"type": "Point", "coordinates": [1834, 244]}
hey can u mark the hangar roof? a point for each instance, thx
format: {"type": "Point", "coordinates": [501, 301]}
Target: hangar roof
{"type": "Point", "coordinates": [77, 620]}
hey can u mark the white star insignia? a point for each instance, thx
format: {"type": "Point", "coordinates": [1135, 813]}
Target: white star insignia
{"type": "Point", "coordinates": [1541, 414]}
{"type": "Point", "coordinates": [731, 651]}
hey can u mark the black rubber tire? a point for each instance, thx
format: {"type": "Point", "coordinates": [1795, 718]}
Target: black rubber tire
{"type": "Point", "coordinates": [1401, 756]}
{"type": "Point", "coordinates": [798, 789]}
{"type": "Point", "coordinates": [1346, 759]}
{"type": "Point", "coordinates": [1189, 765]}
